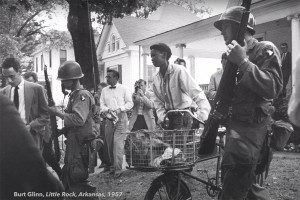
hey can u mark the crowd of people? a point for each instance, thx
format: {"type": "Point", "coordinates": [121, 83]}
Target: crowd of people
{"type": "Point", "coordinates": [99, 120]}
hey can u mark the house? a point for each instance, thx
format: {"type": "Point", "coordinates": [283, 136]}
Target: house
{"type": "Point", "coordinates": [52, 58]}
{"type": "Point", "coordinates": [277, 21]}
{"type": "Point", "coordinates": [117, 49]}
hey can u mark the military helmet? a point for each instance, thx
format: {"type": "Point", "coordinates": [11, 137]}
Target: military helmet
{"type": "Point", "coordinates": [69, 70]}
{"type": "Point", "coordinates": [235, 14]}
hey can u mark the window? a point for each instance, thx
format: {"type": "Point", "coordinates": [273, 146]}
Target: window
{"type": "Point", "coordinates": [108, 47]}
{"type": "Point", "coordinates": [42, 62]}
{"type": "Point", "coordinates": [37, 64]}
{"type": "Point", "coordinates": [63, 56]}
{"type": "Point", "coordinates": [113, 43]}
{"type": "Point", "coordinates": [118, 45]}
{"type": "Point", "coordinates": [50, 58]}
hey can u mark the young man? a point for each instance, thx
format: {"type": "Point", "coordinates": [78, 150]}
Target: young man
{"type": "Point", "coordinates": [259, 81]}
{"type": "Point", "coordinates": [174, 88]}
{"type": "Point", "coordinates": [216, 78]}
{"type": "Point", "coordinates": [79, 129]}
{"type": "Point", "coordinates": [115, 100]}
{"type": "Point", "coordinates": [29, 99]}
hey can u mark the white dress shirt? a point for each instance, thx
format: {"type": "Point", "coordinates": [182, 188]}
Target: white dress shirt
{"type": "Point", "coordinates": [21, 91]}
{"type": "Point", "coordinates": [114, 98]}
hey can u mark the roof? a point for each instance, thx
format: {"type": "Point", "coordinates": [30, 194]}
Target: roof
{"type": "Point", "coordinates": [166, 17]}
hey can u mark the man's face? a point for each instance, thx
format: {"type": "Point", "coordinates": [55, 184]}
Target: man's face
{"type": "Point", "coordinates": [111, 79]}
{"type": "Point", "coordinates": [158, 58]}
{"type": "Point", "coordinates": [99, 89]}
{"type": "Point", "coordinates": [283, 48]}
{"type": "Point", "coordinates": [13, 78]}
{"type": "Point", "coordinates": [68, 84]}
{"type": "Point", "coordinates": [227, 32]}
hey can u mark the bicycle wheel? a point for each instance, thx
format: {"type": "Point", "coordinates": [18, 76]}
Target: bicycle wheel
{"type": "Point", "coordinates": [166, 188]}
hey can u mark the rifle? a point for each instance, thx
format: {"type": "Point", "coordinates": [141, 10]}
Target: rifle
{"type": "Point", "coordinates": [52, 117]}
{"type": "Point", "coordinates": [222, 101]}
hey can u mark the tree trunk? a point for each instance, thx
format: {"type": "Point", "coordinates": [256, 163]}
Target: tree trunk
{"type": "Point", "coordinates": [84, 45]}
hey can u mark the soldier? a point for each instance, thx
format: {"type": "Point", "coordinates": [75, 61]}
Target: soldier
{"type": "Point", "coordinates": [259, 81]}
{"type": "Point", "coordinates": [79, 128]}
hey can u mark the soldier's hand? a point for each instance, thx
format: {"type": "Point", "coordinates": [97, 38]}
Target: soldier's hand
{"type": "Point", "coordinates": [53, 110]}
{"type": "Point", "coordinates": [236, 53]}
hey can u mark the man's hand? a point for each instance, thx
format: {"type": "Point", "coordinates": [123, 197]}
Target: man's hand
{"type": "Point", "coordinates": [53, 110]}
{"type": "Point", "coordinates": [236, 53]}
{"type": "Point", "coordinates": [140, 92]}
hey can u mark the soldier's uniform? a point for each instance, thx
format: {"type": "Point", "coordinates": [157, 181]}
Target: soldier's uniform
{"type": "Point", "coordinates": [80, 130]}
{"type": "Point", "coordinates": [259, 80]}
{"type": "Point", "coordinates": [79, 121]}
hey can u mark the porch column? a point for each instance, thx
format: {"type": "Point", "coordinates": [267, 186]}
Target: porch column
{"type": "Point", "coordinates": [295, 26]}
{"type": "Point", "coordinates": [145, 66]}
{"type": "Point", "coordinates": [192, 66]}
{"type": "Point", "coordinates": [180, 48]}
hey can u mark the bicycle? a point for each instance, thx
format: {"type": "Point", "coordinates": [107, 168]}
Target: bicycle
{"type": "Point", "coordinates": [174, 153]}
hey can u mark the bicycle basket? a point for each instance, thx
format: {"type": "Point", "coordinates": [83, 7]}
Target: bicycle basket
{"type": "Point", "coordinates": [160, 149]}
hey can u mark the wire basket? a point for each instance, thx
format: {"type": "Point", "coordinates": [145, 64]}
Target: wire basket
{"type": "Point", "coordinates": [161, 149]}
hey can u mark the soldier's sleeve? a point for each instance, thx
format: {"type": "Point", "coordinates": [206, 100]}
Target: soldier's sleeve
{"type": "Point", "coordinates": [80, 111]}
{"type": "Point", "coordinates": [265, 78]}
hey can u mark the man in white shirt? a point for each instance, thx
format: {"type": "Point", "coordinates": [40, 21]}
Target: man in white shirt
{"type": "Point", "coordinates": [115, 99]}
{"type": "Point", "coordinates": [174, 88]}
{"type": "Point", "coordinates": [29, 99]}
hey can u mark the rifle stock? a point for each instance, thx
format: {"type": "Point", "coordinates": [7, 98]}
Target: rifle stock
{"type": "Point", "coordinates": [222, 101]}
{"type": "Point", "coordinates": [52, 117]}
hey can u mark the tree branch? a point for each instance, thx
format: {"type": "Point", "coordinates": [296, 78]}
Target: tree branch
{"type": "Point", "coordinates": [26, 22]}
{"type": "Point", "coordinates": [34, 32]}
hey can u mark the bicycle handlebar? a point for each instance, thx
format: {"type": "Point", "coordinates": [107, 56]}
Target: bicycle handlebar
{"type": "Point", "coordinates": [184, 111]}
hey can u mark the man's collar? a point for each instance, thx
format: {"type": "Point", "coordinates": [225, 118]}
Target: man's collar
{"type": "Point", "coordinates": [21, 84]}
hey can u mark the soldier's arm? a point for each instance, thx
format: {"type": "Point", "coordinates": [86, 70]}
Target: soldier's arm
{"type": "Point", "coordinates": [80, 111]}
{"type": "Point", "coordinates": [265, 80]}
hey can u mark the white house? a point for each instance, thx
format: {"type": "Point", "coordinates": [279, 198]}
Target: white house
{"type": "Point", "coordinates": [277, 21]}
{"type": "Point", "coordinates": [117, 50]}
{"type": "Point", "coordinates": [52, 58]}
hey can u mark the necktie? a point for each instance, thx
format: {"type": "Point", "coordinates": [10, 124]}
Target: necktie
{"type": "Point", "coordinates": [283, 56]}
{"type": "Point", "coordinates": [16, 97]}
